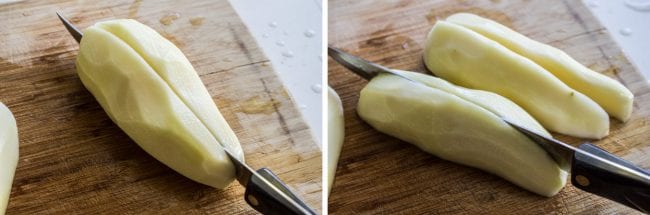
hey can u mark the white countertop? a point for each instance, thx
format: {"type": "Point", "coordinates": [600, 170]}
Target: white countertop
{"type": "Point", "coordinates": [628, 21]}
{"type": "Point", "coordinates": [290, 33]}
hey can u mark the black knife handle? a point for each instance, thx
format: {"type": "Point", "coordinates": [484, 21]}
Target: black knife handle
{"type": "Point", "coordinates": [265, 198]}
{"type": "Point", "coordinates": [603, 179]}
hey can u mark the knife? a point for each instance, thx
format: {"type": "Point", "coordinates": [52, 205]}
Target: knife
{"type": "Point", "coordinates": [265, 192]}
{"type": "Point", "coordinates": [593, 169]}
{"type": "Point", "coordinates": [597, 171]}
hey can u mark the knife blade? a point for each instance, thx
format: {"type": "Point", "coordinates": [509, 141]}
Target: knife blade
{"type": "Point", "coordinates": [597, 171]}
{"type": "Point", "coordinates": [265, 192]}
{"type": "Point", "coordinates": [74, 32]}
{"type": "Point", "coordinates": [360, 66]}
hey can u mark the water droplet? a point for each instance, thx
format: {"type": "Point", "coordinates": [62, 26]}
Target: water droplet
{"type": "Point", "coordinates": [593, 4]}
{"type": "Point", "coordinates": [405, 45]}
{"type": "Point", "coordinates": [638, 5]}
{"type": "Point", "coordinates": [626, 31]}
{"type": "Point", "coordinates": [310, 33]}
{"type": "Point", "coordinates": [273, 24]}
{"type": "Point", "coordinates": [287, 54]}
{"type": "Point", "coordinates": [302, 106]}
{"type": "Point", "coordinates": [320, 58]}
{"type": "Point", "coordinates": [279, 43]}
{"type": "Point", "coordinates": [285, 33]}
{"type": "Point", "coordinates": [317, 88]}
{"type": "Point", "coordinates": [265, 35]}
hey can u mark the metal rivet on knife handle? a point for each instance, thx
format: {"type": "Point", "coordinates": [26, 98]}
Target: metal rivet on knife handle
{"type": "Point", "coordinates": [582, 180]}
{"type": "Point", "coordinates": [253, 200]}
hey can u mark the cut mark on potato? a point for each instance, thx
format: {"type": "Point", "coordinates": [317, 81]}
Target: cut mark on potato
{"type": "Point", "coordinates": [166, 64]}
{"type": "Point", "coordinates": [441, 13]}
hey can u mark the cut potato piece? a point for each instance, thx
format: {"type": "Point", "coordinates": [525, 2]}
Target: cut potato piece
{"type": "Point", "coordinates": [492, 102]}
{"type": "Point", "coordinates": [8, 154]}
{"type": "Point", "coordinates": [469, 59]}
{"type": "Point", "coordinates": [335, 134]}
{"type": "Point", "coordinates": [608, 93]}
{"type": "Point", "coordinates": [151, 91]}
{"type": "Point", "coordinates": [450, 124]}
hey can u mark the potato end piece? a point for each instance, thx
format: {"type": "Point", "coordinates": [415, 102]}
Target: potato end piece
{"type": "Point", "coordinates": [335, 134]}
{"type": "Point", "coordinates": [8, 154]}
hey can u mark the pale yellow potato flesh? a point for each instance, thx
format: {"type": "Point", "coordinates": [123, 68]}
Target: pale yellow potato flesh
{"type": "Point", "coordinates": [335, 134]}
{"type": "Point", "coordinates": [8, 154]}
{"type": "Point", "coordinates": [151, 91]}
{"type": "Point", "coordinates": [492, 102]}
{"type": "Point", "coordinates": [469, 59]}
{"type": "Point", "coordinates": [611, 95]}
{"type": "Point", "coordinates": [173, 67]}
{"type": "Point", "coordinates": [453, 125]}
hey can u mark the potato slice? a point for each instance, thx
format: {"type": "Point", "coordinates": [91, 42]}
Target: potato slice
{"type": "Point", "coordinates": [151, 91]}
{"type": "Point", "coordinates": [608, 93]}
{"type": "Point", "coordinates": [8, 154]}
{"type": "Point", "coordinates": [469, 59]}
{"type": "Point", "coordinates": [451, 123]}
{"type": "Point", "coordinates": [335, 134]}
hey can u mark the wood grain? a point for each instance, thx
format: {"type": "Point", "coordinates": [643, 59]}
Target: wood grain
{"type": "Point", "coordinates": [378, 174]}
{"type": "Point", "coordinates": [74, 160]}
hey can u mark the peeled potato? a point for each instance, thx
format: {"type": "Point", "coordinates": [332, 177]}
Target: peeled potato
{"type": "Point", "coordinates": [8, 154]}
{"type": "Point", "coordinates": [335, 134]}
{"type": "Point", "coordinates": [611, 95]}
{"type": "Point", "coordinates": [492, 102]}
{"type": "Point", "coordinates": [151, 91]}
{"type": "Point", "coordinates": [463, 126]}
{"type": "Point", "coordinates": [469, 59]}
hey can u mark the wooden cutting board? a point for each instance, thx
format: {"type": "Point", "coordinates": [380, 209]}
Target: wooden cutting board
{"type": "Point", "coordinates": [74, 160]}
{"type": "Point", "coordinates": [380, 174]}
